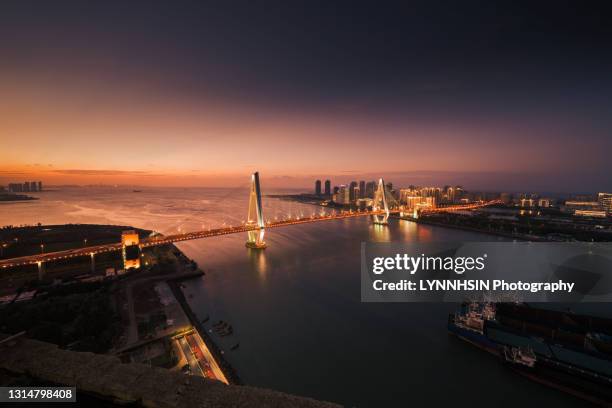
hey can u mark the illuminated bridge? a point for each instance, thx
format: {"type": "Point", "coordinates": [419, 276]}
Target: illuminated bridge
{"type": "Point", "coordinates": [255, 227]}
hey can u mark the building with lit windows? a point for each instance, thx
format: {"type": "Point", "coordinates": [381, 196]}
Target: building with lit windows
{"type": "Point", "coordinates": [605, 202]}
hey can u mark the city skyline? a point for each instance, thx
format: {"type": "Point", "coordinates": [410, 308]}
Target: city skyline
{"type": "Point", "coordinates": [500, 99]}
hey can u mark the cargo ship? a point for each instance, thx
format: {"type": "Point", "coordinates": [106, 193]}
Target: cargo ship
{"type": "Point", "coordinates": [560, 349]}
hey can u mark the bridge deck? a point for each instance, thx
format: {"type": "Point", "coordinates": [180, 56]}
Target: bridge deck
{"type": "Point", "coordinates": [169, 239]}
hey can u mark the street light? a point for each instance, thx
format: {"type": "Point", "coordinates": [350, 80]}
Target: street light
{"type": "Point", "coordinates": [42, 248]}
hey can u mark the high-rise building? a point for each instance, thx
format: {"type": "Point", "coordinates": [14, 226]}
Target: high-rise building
{"type": "Point", "coordinates": [33, 186]}
{"type": "Point", "coordinates": [318, 187]}
{"type": "Point", "coordinates": [327, 187]}
{"type": "Point", "coordinates": [352, 187]}
{"type": "Point", "coordinates": [40, 186]}
{"type": "Point", "coordinates": [15, 187]}
{"type": "Point", "coordinates": [336, 189]}
{"type": "Point", "coordinates": [369, 190]}
{"type": "Point", "coordinates": [451, 194]}
{"type": "Point", "coordinates": [362, 189]}
{"type": "Point", "coordinates": [26, 187]}
{"type": "Point", "coordinates": [343, 194]}
{"type": "Point", "coordinates": [605, 201]}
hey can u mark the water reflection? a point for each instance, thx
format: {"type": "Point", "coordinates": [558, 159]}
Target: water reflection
{"type": "Point", "coordinates": [380, 233]}
{"type": "Point", "coordinates": [408, 229]}
{"type": "Point", "coordinates": [257, 259]}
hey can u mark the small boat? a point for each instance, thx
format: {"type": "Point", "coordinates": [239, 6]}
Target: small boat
{"type": "Point", "coordinates": [136, 191]}
{"type": "Point", "coordinates": [520, 355]}
{"type": "Point", "coordinates": [235, 346]}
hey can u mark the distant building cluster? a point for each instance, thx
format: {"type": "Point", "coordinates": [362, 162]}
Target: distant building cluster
{"type": "Point", "coordinates": [587, 206]}
{"type": "Point", "coordinates": [355, 193]}
{"type": "Point", "coordinates": [414, 198]}
{"type": "Point", "coordinates": [26, 187]}
{"type": "Point", "coordinates": [360, 194]}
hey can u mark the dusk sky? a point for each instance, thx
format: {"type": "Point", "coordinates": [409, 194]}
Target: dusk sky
{"type": "Point", "coordinates": [490, 95]}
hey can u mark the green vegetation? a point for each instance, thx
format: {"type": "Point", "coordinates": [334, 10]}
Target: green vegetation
{"type": "Point", "coordinates": [78, 316]}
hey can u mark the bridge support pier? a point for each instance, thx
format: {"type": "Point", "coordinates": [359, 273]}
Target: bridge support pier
{"type": "Point", "coordinates": [380, 204]}
{"type": "Point", "coordinates": [255, 237]}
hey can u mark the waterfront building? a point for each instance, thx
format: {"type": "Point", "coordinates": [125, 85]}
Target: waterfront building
{"type": "Point", "coordinates": [40, 186]}
{"type": "Point", "coordinates": [590, 213]}
{"type": "Point", "coordinates": [26, 187]}
{"type": "Point", "coordinates": [527, 202]}
{"type": "Point", "coordinates": [544, 202]}
{"type": "Point", "coordinates": [406, 193]}
{"type": "Point", "coordinates": [605, 202]}
{"type": "Point", "coordinates": [369, 189]}
{"type": "Point", "coordinates": [327, 187]}
{"type": "Point", "coordinates": [33, 186]}
{"type": "Point", "coordinates": [130, 249]}
{"type": "Point", "coordinates": [364, 203]}
{"type": "Point", "coordinates": [413, 201]}
{"type": "Point", "coordinates": [362, 189]}
{"type": "Point", "coordinates": [318, 187]}
{"type": "Point", "coordinates": [583, 208]}
{"type": "Point", "coordinates": [435, 192]}
{"type": "Point", "coordinates": [352, 187]}
{"type": "Point", "coordinates": [343, 196]}
{"type": "Point", "coordinates": [15, 187]}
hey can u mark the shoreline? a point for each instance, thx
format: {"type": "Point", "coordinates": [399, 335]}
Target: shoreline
{"type": "Point", "coordinates": [308, 199]}
{"type": "Point", "coordinates": [229, 371]}
{"type": "Point", "coordinates": [470, 229]}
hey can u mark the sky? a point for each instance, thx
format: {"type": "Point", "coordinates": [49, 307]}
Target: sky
{"type": "Point", "coordinates": [490, 95]}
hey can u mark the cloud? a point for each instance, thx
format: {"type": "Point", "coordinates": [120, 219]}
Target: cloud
{"type": "Point", "coordinates": [89, 172]}
{"type": "Point", "coordinates": [12, 173]}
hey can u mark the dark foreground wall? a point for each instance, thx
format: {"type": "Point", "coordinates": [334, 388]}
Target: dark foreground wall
{"type": "Point", "coordinates": [107, 377]}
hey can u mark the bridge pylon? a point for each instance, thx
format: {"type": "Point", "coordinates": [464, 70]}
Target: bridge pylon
{"type": "Point", "coordinates": [380, 204]}
{"type": "Point", "coordinates": [255, 237]}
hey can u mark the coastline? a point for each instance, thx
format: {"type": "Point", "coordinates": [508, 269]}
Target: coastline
{"type": "Point", "coordinates": [16, 198]}
{"type": "Point", "coordinates": [470, 229]}
{"type": "Point", "coordinates": [174, 284]}
{"type": "Point", "coordinates": [310, 199]}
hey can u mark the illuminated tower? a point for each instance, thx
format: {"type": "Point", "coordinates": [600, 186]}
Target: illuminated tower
{"type": "Point", "coordinates": [380, 204]}
{"type": "Point", "coordinates": [255, 216]}
{"type": "Point", "coordinates": [130, 249]}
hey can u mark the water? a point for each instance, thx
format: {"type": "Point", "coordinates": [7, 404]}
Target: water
{"type": "Point", "coordinates": [295, 307]}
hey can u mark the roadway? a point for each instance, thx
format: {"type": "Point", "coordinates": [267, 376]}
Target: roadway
{"type": "Point", "coordinates": [194, 365]}
{"type": "Point", "coordinates": [169, 239]}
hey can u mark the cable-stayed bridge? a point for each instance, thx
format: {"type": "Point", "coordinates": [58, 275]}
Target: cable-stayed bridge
{"type": "Point", "coordinates": [383, 206]}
